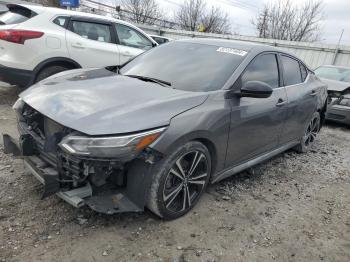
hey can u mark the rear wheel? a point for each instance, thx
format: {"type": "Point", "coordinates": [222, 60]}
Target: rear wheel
{"type": "Point", "coordinates": [180, 181]}
{"type": "Point", "coordinates": [310, 134]}
{"type": "Point", "coordinates": [49, 71]}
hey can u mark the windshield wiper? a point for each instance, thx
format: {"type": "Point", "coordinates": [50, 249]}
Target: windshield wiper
{"type": "Point", "coordinates": [151, 79]}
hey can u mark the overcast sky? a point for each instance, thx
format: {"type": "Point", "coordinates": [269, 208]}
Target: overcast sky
{"type": "Point", "coordinates": [337, 15]}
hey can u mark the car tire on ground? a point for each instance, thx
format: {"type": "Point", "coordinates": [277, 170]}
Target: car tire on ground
{"type": "Point", "coordinates": [310, 134]}
{"type": "Point", "coordinates": [179, 180]}
{"type": "Point", "coordinates": [49, 71]}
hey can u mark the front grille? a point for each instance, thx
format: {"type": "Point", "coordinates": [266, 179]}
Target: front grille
{"type": "Point", "coordinates": [43, 136]}
{"type": "Point", "coordinates": [46, 135]}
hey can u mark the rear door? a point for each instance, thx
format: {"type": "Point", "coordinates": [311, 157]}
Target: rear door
{"type": "Point", "coordinates": [92, 43]}
{"type": "Point", "coordinates": [256, 123]}
{"type": "Point", "coordinates": [302, 97]}
{"type": "Point", "coordinates": [131, 42]}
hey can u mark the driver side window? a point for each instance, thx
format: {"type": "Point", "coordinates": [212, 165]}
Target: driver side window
{"type": "Point", "coordinates": [130, 37]}
{"type": "Point", "coordinates": [263, 68]}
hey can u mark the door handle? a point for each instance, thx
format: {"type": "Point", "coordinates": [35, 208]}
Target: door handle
{"type": "Point", "coordinates": [281, 102]}
{"type": "Point", "coordinates": [313, 93]}
{"type": "Point", "coordinates": [78, 45]}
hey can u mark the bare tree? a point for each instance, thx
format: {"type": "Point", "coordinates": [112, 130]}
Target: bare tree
{"type": "Point", "coordinates": [194, 14]}
{"type": "Point", "coordinates": [142, 11]}
{"type": "Point", "coordinates": [286, 21]}
{"type": "Point", "coordinates": [216, 21]}
{"type": "Point", "coordinates": [190, 14]}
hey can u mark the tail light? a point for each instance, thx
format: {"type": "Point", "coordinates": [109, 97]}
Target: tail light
{"type": "Point", "coordinates": [19, 36]}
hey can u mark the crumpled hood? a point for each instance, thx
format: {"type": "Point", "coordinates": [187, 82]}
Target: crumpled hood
{"type": "Point", "coordinates": [100, 102]}
{"type": "Point", "coordinates": [334, 85]}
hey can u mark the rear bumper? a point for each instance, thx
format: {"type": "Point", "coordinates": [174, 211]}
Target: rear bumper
{"type": "Point", "coordinates": [16, 76]}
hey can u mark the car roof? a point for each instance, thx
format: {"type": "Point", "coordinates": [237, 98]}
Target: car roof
{"type": "Point", "coordinates": [247, 46]}
{"type": "Point", "coordinates": [252, 48]}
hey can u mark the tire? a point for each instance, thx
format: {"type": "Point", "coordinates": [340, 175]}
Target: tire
{"type": "Point", "coordinates": [49, 71]}
{"type": "Point", "coordinates": [180, 173]}
{"type": "Point", "coordinates": [310, 134]}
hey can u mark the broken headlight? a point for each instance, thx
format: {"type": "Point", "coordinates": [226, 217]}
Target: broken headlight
{"type": "Point", "coordinates": [110, 146]}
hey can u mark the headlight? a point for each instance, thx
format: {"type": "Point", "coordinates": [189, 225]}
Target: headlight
{"type": "Point", "coordinates": [18, 104]}
{"type": "Point", "coordinates": [18, 108]}
{"type": "Point", "coordinates": [111, 147]}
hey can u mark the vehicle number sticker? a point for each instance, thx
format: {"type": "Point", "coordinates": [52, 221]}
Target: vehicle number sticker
{"type": "Point", "coordinates": [231, 51]}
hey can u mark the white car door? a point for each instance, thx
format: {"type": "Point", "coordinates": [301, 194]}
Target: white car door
{"type": "Point", "coordinates": [131, 42]}
{"type": "Point", "coordinates": [92, 43]}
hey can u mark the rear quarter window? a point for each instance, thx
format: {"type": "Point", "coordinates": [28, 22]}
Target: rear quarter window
{"type": "Point", "coordinates": [16, 15]}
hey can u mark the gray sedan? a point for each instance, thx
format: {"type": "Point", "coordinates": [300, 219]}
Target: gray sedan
{"type": "Point", "coordinates": [338, 80]}
{"type": "Point", "coordinates": [156, 131]}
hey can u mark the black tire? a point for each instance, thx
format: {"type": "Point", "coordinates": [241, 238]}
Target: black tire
{"type": "Point", "coordinates": [164, 182]}
{"type": "Point", "coordinates": [310, 134]}
{"type": "Point", "coordinates": [49, 71]}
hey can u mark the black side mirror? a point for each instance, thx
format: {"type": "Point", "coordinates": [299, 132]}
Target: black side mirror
{"type": "Point", "coordinates": [256, 89]}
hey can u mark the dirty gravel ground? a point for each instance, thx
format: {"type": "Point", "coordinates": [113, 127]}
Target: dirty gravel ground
{"type": "Point", "coordinates": [295, 207]}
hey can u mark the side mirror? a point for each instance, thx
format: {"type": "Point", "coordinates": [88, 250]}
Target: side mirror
{"type": "Point", "coordinates": [256, 89]}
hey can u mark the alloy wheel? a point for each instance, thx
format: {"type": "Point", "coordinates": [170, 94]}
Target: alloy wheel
{"type": "Point", "coordinates": [312, 131]}
{"type": "Point", "coordinates": [185, 181]}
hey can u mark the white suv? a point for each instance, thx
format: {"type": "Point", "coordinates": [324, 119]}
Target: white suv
{"type": "Point", "coordinates": [37, 42]}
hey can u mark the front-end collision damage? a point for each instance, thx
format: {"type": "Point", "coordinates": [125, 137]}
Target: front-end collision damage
{"type": "Point", "coordinates": [105, 184]}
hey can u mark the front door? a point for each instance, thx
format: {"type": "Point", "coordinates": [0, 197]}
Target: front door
{"type": "Point", "coordinates": [256, 123]}
{"type": "Point", "coordinates": [131, 42]}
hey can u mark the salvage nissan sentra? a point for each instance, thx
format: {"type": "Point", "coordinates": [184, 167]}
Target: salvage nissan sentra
{"type": "Point", "coordinates": [156, 131]}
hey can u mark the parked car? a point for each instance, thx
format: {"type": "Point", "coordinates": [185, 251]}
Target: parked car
{"type": "Point", "coordinates": [161, 39]}
{"type": "Point", "coordinates": [338, 80]}
{"type": "Point", "coordinates": [149, 135]}
{"type": "Point", "coordinates": [37, 42]}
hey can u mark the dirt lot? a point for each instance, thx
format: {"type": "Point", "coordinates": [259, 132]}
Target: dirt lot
{"type": "Point", "coordinates": [295, 207]}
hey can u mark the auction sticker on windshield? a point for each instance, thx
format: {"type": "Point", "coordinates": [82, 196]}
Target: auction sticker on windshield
{"type": "Point", "coordinates": [232, 51]}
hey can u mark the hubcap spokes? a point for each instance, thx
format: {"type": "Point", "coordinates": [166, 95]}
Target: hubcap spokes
{"type": "Point", "coordinates": [311, 132]}
{"type": "Point", "coordinates": [185, 181]}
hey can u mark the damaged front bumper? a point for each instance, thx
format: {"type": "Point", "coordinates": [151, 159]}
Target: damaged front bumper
{"type": "Point", "coordinates": [129, 196]}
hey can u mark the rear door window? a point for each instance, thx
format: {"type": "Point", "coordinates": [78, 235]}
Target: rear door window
{"type": "Point", "coordinates": [16, 15]}
{"type": "Point", "coordinates": [292, 73]}
{"type": "Point", "coordinates": [93, 31]}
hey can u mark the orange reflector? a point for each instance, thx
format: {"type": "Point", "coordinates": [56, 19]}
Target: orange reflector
{"type": "Point", "coordinates": [147, 140]}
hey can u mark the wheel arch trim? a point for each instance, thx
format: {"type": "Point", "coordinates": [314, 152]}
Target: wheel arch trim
{"type": "Point", "coordinates": [202, 136]}
{"type": "Point", "coordinates": [53, 60]}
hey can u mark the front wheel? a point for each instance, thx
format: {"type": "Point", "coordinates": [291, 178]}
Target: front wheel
{"type": "Point", "coordinates": [310, 134]}
{"type": "Point", "coordinates": [180, 180]}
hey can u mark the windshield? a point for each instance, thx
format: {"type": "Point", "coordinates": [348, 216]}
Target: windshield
{"type": "Point", "coordinates": [187, 66]}
{"type": "Point", "coordinates": [333, 73]}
